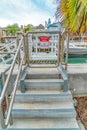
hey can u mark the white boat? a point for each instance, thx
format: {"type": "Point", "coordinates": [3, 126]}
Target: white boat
{"type": "Point", "coordinates": [76, 50]}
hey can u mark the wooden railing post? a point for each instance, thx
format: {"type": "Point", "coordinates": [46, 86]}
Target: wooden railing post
{"type": "Point", "coordinates": [67, 49]}
{"type": "Point", "coordinates": [6, 100]}
{"type": "Point", "coordinates": [59, 49]}
{"type": "Point", "coordinates": [26, 49]}
{"type": "Point", "coordinates": [62, 49]}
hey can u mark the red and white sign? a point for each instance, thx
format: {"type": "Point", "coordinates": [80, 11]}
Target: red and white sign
{"type": "Point", "coordinates": [44, 38]}
{"type": "Point", "coordinates": [44, 45]}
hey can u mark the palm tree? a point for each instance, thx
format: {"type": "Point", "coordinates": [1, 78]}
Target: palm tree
{"type": "Point", "coordinates": [73, 14]}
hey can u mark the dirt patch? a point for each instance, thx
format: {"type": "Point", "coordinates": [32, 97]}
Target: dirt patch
{"type": "Point", "coordinates": [81, 109]}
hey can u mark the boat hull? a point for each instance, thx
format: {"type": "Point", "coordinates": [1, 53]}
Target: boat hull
{"type": "Point", "coordinates": [76, 52]}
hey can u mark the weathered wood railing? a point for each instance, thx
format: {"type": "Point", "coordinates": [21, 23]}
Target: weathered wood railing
{"type": "Point", "coordinates": [55, 38]}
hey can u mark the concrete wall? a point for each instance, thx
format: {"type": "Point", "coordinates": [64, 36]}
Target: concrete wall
{"type": "Point", "coordinates": [78, 83]}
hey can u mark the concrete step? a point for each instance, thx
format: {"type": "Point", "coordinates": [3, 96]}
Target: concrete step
{"type": "Point", "coordinates": [42, 76]}
{"type": "Point", "coordinates": [46, 96]}
{"type": "Point", "coordinates": [44, 109]}
{"type": "Point", "coordinates": [43, 83]}
{"type": "Point", "coordinates": [44, 124]}
{"type": "Point", "coordinates": [45, 105]}
{"type": "Point", "coordinates": [47, 81]}
{"type": "Point", "coordinates": [38, 71]}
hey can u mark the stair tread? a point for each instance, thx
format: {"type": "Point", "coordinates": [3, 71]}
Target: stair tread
{"type": "Point", "coordinates": [43, 95]}
{"type": "Point", "coordinates": [38, 123]}
{"type": "Point", "coordinates": [43, 80]}
{"type": "Point", "coordinates": [43, 92]}
{"type": "Point", "coordinates": [44, 105]}
{"type": "Point", "coordinates": [43, 70]}
{"type": "Point", "coordinates": [39, 91]}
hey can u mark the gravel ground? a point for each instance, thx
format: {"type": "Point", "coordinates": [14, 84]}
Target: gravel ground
{"type": "Point", "coordinates": [81, 109]}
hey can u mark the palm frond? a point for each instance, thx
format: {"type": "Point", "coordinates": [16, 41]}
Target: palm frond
{"type": "Point", "coordinates": [73, 14]}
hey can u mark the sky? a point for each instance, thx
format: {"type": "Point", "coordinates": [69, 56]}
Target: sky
{"type": "Point", "coordinates": [26, 12]}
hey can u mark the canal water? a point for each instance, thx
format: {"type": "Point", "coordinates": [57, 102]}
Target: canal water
{"type": "Point", "coordinates": [76, 60]}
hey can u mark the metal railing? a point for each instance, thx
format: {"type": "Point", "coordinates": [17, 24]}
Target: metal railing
{"type": "Point", "coordinates": [7, 51]}
{"type": "Point", "coordinates": [64, 75]}
{"type": "Point", "coordinates": [5, 121]}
